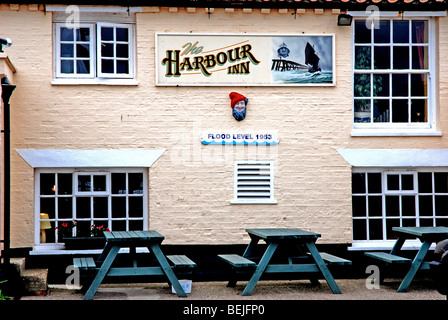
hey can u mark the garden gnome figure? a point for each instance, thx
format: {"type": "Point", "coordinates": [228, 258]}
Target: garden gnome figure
{"type": "Point", "coordinates": [238, 103]}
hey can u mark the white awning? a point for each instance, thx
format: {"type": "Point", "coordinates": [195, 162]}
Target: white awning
{"type": "Point", "coordinates": [395, 157]}
{"type": "Point", "coordinates": [64, 158]}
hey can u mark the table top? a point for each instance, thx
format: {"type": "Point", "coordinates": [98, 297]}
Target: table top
{"type": "Point", "coordinates": [282, 233]}
{"type": "Point", "coordinates": [133, 236]}
{"type": "Point", "coordinates": [423, 232]}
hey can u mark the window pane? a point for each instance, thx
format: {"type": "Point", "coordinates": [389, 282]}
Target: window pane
{"type": "Point", "coordinates": [82, 207]}
{"type": "Point", "coordinates": [363, 58]}
{"type": "Point", "coordinates": [136, 183]}
{"type": "Point", "coordinates": [100, 207]}
{"type": "Point", "coordinates": [401, 32]}
{"type": "Point", "coordinates": [362, 111]}
{"type": "Point", "coordinates": [84, 184]}
{"type": "Point", "coordinates": [419, 85]}
{"type": "Point", "coordinates": [83, 228]}
{"type": "Point", "coordinates": [407, 182]}
{"type": "Point", "coordinates": [82, 51]}
{"type": "Point", "coordinates": [135, 207]}
{"type": "Point", "coordinates": [381, 111]}
{"type": "Point", "coordinates": [393, 182]}
{"type": "Point", "coordinates": [426, 223]}
{"type": "Point", "coordinates": [441, 182]}
{"type": "Point", "coordinates": [375, 229]}
{"type": "Point", "coordinates": [374, 183]}
{"type": "Point", "coordinates": [47, 184]}
{"type": "Point", "coordinates": [400, 85]}
{"type": "Point", "coordinates": [381, 57]}
{"type": "Point", "coordinates": [358, 182]}
{"type": "Point", "coordinates": [107, 66]}
{"type": "Point", "coordinates": [122, 34]}
{"type": "Point", "coordinates": [362, 32]}
{"type": "Point", "coordinates": [408, 206]}
{"type": "Point", "coordinates": [99, 183]}
{"type": "Point", "coordinates": [47, 205]}
{"type": "Point", "coordinates": [424, 182]}
{"type": "Point", "coordinates": [408, 222]}
{"type": "Point", "coordinates": [122, 66]}
{"type": "Point", "coordinates": [441, 205]}
{"type": "Point", "coordinates": [419, 31]}
{"type": "Point", "coordinates": [401, 57]}
{"type": "Point", "coordinates": [118, 225]}
{"type": "Point", "coordinates": [419, 110]}
{"type": "Point", "coordinates": [392, 206]}
{"type": "Point", "coordinates": [391, 223]}
{"type": "Point", "coordinates": [359, 206]}
{"type": "Point", "coordinates": [425, 206]}
{"type": "Point", "coordinates": [65, 181]}
{"type": "Point", "coordinates": [400, 111]}
{"type": "Point", "coordinates": [135, 225]}
{"type": "Point", "coordinates": [420, 57]}
{"type": "Point", "coordinates": [83, 66]}
{"type": "Point", "coordinates": [380, 85]}
{"type": "Point", "coordinates": [382, 34]}
{"type": "Point", "coordinates": [107, 49]}
{"type": "Point", "coordinates": [118, 207]}
{"type": "Point", "coordinates": [122, 51]}
{"type": "Point", "coordinates": [119, 183]}
{"type": "Point", "coordinates": [65, 208]}
{"type": "Point", "coordinates": [67, 50]}
{"type": "Point", "coordinates": [362, 85]}
{"type": "Point", "coordinates": [375, 206]}
{"type": "Point", "coordinates": [67, 66]}
{"type": "Point", "coordinates": [359, 229]}
{"type": "Point", "coordinates": [66, 34]}
{"type": "Point", "coordinates": [107, 34]}
{"type": "Point", "coordinates": [83, 34]}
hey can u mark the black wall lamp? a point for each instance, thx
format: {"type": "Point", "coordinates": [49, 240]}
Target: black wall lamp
{"type": "Point", "coordinates": [344, 20]}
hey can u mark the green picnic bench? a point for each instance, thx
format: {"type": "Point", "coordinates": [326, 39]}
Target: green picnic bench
{"type": "Point", "coordinates": [168, 266]}
{"type": "Point", "coordinates": [310, 260]}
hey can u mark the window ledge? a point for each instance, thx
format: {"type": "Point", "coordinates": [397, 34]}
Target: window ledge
{"type": "Point", "coordinates": [387, 245]}
{"type": "Point", "coordinates": [395, 133]}
{"type": "Point", "coordinates": [96, 81]}
{"type": "Point", "coordinates": [238, 201]}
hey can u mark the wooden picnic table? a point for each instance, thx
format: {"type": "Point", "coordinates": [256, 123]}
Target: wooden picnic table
{"type": "Point", "coordinates": [301, 247]}
{"type": "Point", "coordinates": [427, 236]}
{"type": "Point", "coordinates": [132, 239]}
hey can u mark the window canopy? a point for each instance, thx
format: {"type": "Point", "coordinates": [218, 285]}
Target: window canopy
{"type": "Point", "coordinates": [64, 158]}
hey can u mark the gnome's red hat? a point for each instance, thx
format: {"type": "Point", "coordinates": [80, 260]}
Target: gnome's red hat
{"type": "Point", "coordinates": [235, 97]}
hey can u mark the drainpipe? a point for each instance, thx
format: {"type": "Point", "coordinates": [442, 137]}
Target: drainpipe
{"type": "Point", "coordinates": [7, 90]}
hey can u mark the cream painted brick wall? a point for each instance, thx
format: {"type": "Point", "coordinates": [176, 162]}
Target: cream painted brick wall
{"type": "Point", "coordinates": [190, 185]}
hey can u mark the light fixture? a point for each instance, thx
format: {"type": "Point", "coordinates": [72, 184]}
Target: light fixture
{"type": "Point", "coordinates": [344, 20]}
{"type": "Point", "coordinates": [43, 226]}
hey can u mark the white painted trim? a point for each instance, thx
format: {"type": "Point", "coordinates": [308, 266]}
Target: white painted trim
{"type": "Point", "coordinates": [95, 81]}
{"type": "Point", "coordinates": [395, 158]}
{"type": "Point", "coordinates": [64, 158]}
{"type": "Point", "coordinates": [404, 14]}
{"type": "Point", "coordinates": [394, 132]}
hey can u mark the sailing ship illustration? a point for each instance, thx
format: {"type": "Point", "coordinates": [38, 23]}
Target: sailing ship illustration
{"type": "Point", "coordinates": [311, 59]}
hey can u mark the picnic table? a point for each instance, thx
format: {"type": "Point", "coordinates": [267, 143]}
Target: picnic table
{"type": "Point", "coordinates": [116, 240]}
{"type": "Point", "coordinates": [427, 236]}
{"type": "Point", "coordinates": [302, 257]}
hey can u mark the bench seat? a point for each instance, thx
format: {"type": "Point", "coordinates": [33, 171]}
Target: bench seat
{"type": "Point", "coordinates": [388, 258]}
{"type": "Point", "coordinates": [335, 260]}
{"type": "Point", "coordinates": [84, 264]}
{"type": "Point", "coordinates": [181, 261]}
{"type": "Point", "coordinates": [237, 261]}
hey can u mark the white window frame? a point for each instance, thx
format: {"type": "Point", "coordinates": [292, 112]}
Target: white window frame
{"type": "Point", "coordinates": [85, 171]}
{"type": "Point", "coordinates": [388, 244]}
{"type": "Point", "coordinates": [428, 128]}
{"type": "Point", "coordinates": [253, 200]}
{"type": "Point", "coordinates": [95, 76]}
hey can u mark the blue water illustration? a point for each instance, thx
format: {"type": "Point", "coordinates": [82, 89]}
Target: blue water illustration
{"type": "Point", "coordinates": [301, 76]}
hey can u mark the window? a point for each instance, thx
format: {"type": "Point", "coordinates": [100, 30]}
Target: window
{"type": "Point", "coordinates": [115, 199]}
{"type": "Point", "coordinates": [382, 200]}
{"type": "Point", "coordinates": [392, 74]}
{"type": "Point", "coordinates": [254, 182]}
{"type": "Point", "coordinates": [94, 50]}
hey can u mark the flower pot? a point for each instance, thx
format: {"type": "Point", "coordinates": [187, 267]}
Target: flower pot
{"type": "Point", "coordinates": [362, 116]}
{"type": "Point", "coordinates": [84, 243]}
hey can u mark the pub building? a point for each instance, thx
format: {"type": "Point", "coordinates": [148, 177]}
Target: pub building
{"type": "Point", "coordinates": [200, 119]}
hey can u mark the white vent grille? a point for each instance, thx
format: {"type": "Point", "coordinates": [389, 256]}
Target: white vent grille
{"type": "Point", "coordinates": [253, 182]}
